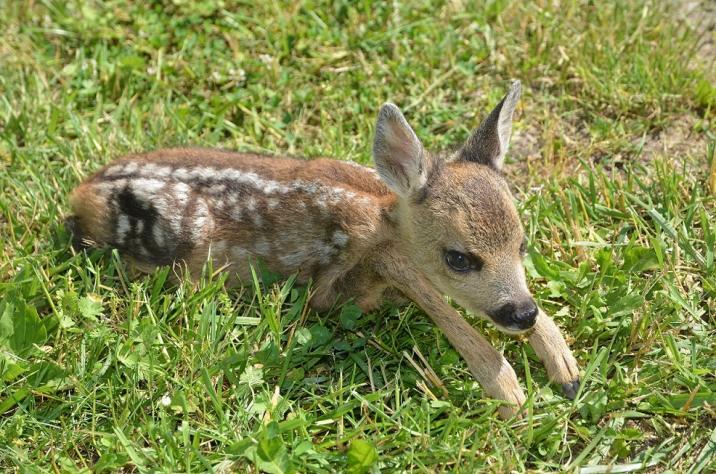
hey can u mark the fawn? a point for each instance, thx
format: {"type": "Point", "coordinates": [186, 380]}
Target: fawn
{"type": "Point", "coordinates": [419, 226]}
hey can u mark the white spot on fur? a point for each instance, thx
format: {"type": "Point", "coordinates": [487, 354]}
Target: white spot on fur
{"type": "Point", "coordinates": [122, 227]}
{"type": "Point", "coordinates": [340, 238]}
{"type": "Point", "coordinates": [201, 220]}
{"type": "Point", "coordinates": [219, 204]}
{"type": "Point", "coordinates": [251, 204]}
{"type": "Point", "coordinates": [217, 189]}
{"type": "Point", "coordinates": [158, 234]}
{"type": "Point", "coordinates": [149, 184]}
{"type": "Point", "coordinates": [147, 189]}
{"type": "Point", "coordinates": [182, 174]}
{"type": "Point", "coordinates": [267, 186]}
{"type": "Point", "coordinates": [106, 187]}
{"type": "Point", "coordinates": [114, 170]}
{"type": "Point", "coordinates": [181, 192]}
{"type": "Point", "coordinates": [272, 187]}
{"type": "Point", "coordinates": [272, 203]}
{"type": "Point", "coordinates": [131, 167]}
{"type": "Point", "coordinates": [204, 172]}
{"type": "Point", "coordinates": [140, 226]}
{"type": "Point", "coordinates": [154, 170]}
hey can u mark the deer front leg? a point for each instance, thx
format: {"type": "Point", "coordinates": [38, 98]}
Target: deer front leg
{"type": "Point", "coordinates": [488, 366]}
{"type": "Point", "coordinates": [552, 349]}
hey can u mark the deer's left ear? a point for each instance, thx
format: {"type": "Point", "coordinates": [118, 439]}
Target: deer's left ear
{"type": "Point", "coordinates": [399, 156]}
{"type": "Point", "coordinates": [489, 142]}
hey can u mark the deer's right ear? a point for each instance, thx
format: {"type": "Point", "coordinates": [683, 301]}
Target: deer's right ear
{"type": "Point", "coordinates": [399, 156]}
{"type": "Point", "coordinates": [489, 142]}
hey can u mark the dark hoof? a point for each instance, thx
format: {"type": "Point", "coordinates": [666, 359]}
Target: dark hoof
{"type": "Point", "coordinates": [570, 389]}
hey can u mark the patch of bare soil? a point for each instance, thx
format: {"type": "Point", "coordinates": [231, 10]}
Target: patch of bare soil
{"type": "Point", "coordinates": [548, 147]}
{"type": "Point", "coordinates": [701, 16]}
{"type": "Point", "coordinates": [551, 149]}
{"type": "Point", "coordinates": [679, 140]}
{"type": "Point", "coordinates": [539, 150]}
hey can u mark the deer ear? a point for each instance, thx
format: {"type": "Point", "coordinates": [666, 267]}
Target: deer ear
{"type": "Point", "coordinates": [489, 142]}
{"type": "Point", "coordinates": [399, 156]}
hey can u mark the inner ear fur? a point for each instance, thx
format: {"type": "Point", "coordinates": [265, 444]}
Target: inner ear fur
{"type": "Point", "coordinates": [400, 159]}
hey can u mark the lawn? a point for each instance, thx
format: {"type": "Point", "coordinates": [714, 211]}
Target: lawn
{"type": "Point", "coordinates": [612, 163]}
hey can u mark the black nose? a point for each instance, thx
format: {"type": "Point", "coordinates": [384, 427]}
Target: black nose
{"type": "Point", "coordinates": [520, 315]}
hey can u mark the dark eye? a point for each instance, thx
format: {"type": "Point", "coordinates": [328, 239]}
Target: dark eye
{"type": "Point", "coordinates": [523, 247]}
{"type": "Point", "coordinates": [461, 262]}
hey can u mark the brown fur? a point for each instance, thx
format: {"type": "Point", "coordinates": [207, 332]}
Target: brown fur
{"type": "Point", "coordinates": [89, 209]}
{"type": "Point", "coordinates": [359, 235]}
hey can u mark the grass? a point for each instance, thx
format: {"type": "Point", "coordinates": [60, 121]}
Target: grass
{"type": "Point", "coordinates": [613, 154]}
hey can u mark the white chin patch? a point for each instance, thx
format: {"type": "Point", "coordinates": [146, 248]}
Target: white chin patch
{"type": "Point", "coordinates": [511, 329]}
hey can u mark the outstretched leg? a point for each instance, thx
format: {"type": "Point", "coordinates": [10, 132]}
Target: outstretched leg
{"type": "Point", "coordinates": [552, 349]}
{"type": "Point", "coordinates": [488, 366]}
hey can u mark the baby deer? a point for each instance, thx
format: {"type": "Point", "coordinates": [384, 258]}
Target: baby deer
{"type": "Point", "coordinates": [422, 227]}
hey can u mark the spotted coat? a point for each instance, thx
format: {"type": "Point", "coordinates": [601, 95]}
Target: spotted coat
{"type": "Point", "coordinates": [186, 206]}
